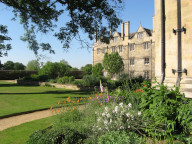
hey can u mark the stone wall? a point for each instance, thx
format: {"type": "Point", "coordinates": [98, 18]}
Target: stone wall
{"type": "Point", "coordinates": [171, 43]}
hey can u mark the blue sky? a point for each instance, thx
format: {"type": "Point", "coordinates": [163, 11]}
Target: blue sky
{"type": "Point", "coordinates": [135, 11]}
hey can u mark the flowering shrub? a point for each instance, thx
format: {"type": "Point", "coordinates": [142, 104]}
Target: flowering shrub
{"type": "Point", "coordinates": [115, 117]}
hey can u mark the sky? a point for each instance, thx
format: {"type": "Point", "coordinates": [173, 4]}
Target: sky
{"type": "Point", "coordinates": [136, 11]}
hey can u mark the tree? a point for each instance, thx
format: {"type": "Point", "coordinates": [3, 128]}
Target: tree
{"type": "Point", "coordinates": [113, 63]}
{"type": "Point", "coordinates": [33, 65]}
{"type": "Point", "coordinates": [3, 37]}
{"type": "Point", "coordinates": [18, 66]}
{"type": "Point", "coordinates": [97, 70]}
{"type": "Point", "coordinates": [87, 69]}
{"type": "Point", "coordinates": [86, 15]}
{"type": "Point", "coordinates": [9, 65]}
{"type": "Point", "coordinates": [54, 70]}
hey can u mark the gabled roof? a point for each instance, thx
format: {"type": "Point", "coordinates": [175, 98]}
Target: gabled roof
{"type": "Point", "coordinates": [148, 31]}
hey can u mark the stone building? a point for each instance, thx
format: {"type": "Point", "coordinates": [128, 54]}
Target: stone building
{"type": "Point", "coordinates": [173, 43]}
{"type": "Point", "coordinates": [136, 50]}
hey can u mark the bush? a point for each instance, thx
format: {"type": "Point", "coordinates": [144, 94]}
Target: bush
{"type": "Point", "coordinates": [97, 70]}
{"type": "Point", "coordinates": [66, 80]}
{"type": "Point", "coordinates": [59, 136]}
{"type": "Point", "coordinates": [76, 73]}
{"type": "Point", "coordinates": [54, 70]}
{"type": "Point", "coordinates": [15, 74]}
{"type": "Point", "coordinates": [165, 111]}
{"type": "Point", "coordinates": [117, 137]}
{"type": "Point", "coordinates": [88, 81]}
{"type": "Point", "coordinates": [36, 77]}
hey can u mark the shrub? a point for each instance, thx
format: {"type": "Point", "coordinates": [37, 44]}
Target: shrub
{"type": "Point", "coordinates": [15, 74]}
{"type": "Point", "coordinates": [35, 77]}
{"type": "Point", "coordinates": [87, 69]}
{"type": "Point", "coordinates": [165, 111]}
{"type": "Point", "coordinates": [76, 73]}
{"type": "Point", "coordinates": [66, 80]}
{"type": "Point", "coordinates": [116, 117]}
{"type": "Point", "coordinates": [54, 70]}
{"type": "Point", "coordinates": [97, 70]}
{"type": "Point", "coordinates": [117, 137]}
{"type": "Point", "coordinates": [51, 136]}
{"type": "Point", "coordinates": [88, 80]}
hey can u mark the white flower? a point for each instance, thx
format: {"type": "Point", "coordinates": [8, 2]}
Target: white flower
{"type": "Point", "coordinates": [128, 126]}
{"type": "Point", "coordinates": [108, 115]}
{"type": "Point", "coordinates": [116, 109]}
{"type": "Point", "coordinates": [139, 113]}
{"type": "Point", "coordinates": [98, 119]}
{"type": "Point", "coordinates": [99, 128]}
{"type": "Point", "coordinates": [127, 114]}
{"type": "Point", "coordinates": [103, 114]}
{"type": "Point", "coordinates": [110, 120]}
{"type": "Point", "coordinates": [130, 105]}
{"type": "Point", "coordinates": [105, 122]}
{"type": "Point", "coordinates": [121, 127]}
{"type": "Point", "coordinates": [106, 108]}
{"type": "Point", "coordinates": [121, 105]}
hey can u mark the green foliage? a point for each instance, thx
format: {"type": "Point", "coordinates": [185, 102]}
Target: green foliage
{"type": "Point", "coordinates": [51, 136]}
{"type": "Point", "coordinates": [33, 65]}
{"type": "Point", "coordinates": [116, 117]}
{"type": "Point", "coordinates": [18, 66]}
{"type": "Point", "coordinates": [36, 77]}
{"type": "Point", "coordinates": [123, 77]}
{"type": "Point", "coordinates": [76, 73]}
{"type": "Point", "coordinates": [165, 111]}
{"type": "Point", "coordinates": [9, 65]}
{"type": "Point", "coordinates": [113, 63]}
{"type": "Point", "coordinates": [3, 37]}
{"type": "Point", "coordinates": [66, 80]}
{"type": "Point", "coordinates": [88, 80]}
{"type": "Point", "coordinates": [117, 137]}
{"type": "Point", "coordinates": [14, 74]}
{"type": "Point", "coordinates": [43, 15]}
{"type": "Point", "coordinates": [97, 70]}
{"type": "Point", "coordinates": [54, 70]}
{"type": "Point", "coordinates": [87, 69]}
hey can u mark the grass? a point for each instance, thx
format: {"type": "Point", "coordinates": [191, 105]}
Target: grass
{"type": "Point", "coordinates": [16, 99]}
{"type": "Point", "coordinates": [20, 134]}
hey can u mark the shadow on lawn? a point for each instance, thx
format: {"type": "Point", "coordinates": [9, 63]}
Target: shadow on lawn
{"type": "Point", "coordinates": [71, 92]}
{"type": "Point", "coordinates": [9, 85]}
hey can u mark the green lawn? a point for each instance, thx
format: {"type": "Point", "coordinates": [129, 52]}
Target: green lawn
{"type": "Point", "coordinates": [20, 134]}
{"type": "Point", "coordinates": [16, 99]}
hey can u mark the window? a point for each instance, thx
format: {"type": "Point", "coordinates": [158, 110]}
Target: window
{"type": "Point", "coordinates": [120, 49]}
{"type": "Point", "coordinates": [140, 35]}
{"type": "Point", "coordinates": [132, 61]}
{"type": "Point", "coordinates": [146, 74]}
{"type": "Point", "coordinates": [146, 45]}
{"type": "Point", "coordinates": [131, 74]}
{"type": "Point", "coordinates": [146, 61]}
{"type": "Point", "coordinates": [115, 39]}
{"type": "Point", "coordinates": [98, 51]}
{"type": "Point", "coordinates": [132, 47]}
{"type": "Point", "coordinates": [104, 50]}
{"type": "Point", "coordinates": [113, 49]}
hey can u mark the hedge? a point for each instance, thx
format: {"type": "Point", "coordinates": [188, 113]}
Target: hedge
{"type": "Point", "coordinates": [15, 74]}
{"type": "Point", "coordinates": [76, 73]}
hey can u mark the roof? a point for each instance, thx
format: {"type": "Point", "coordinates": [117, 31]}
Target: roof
{"type": "Point", "coordinates": [148, 31]}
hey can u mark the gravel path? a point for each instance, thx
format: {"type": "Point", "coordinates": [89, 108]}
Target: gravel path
{"type": "Point", "coordinates": [17, 120]}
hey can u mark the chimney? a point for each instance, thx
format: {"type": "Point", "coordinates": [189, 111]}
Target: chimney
{"type": "Point", "coordinates": [95, 37]}
{"type": "Point", "coordinates": [111, 31]}
{"type": "Point", "coordinates": [122, 30]}
{"type": "Point", "coordinates": [127, 29]}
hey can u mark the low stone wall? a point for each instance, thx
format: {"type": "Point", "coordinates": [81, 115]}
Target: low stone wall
{"type": "Point", "coordinates": [65, 86]}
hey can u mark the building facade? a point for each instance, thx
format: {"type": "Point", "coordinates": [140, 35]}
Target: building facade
{"type": "Point", "coordinates": [136, 50]}
{"type": "Point", "coordinates": [173, 59]}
